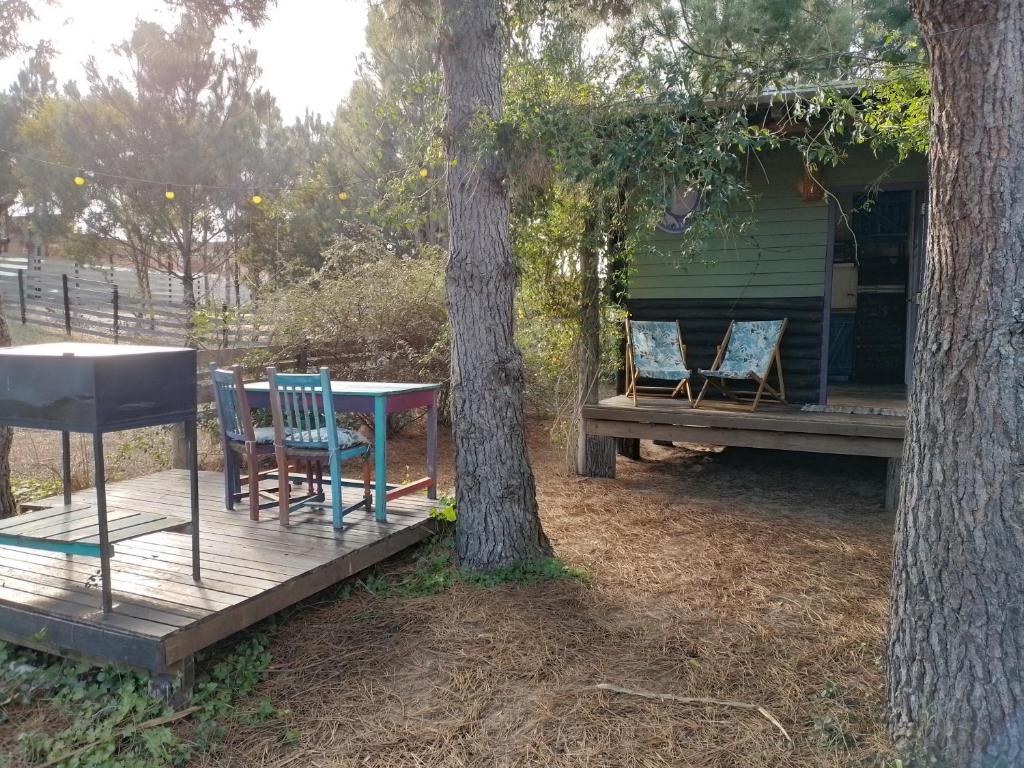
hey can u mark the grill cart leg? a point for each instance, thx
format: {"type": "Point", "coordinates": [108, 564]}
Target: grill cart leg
{"type": "Point", "coordinates": [192, 438]}
{"type": "Point", "coordinates": [101, 514]}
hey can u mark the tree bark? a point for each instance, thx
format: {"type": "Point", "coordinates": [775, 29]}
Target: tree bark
{"type": "Point", "coordinates": [8, 508]}
{"type": "Point", "coordinates": [595, 456]}
{"type": "Point", "coordinates": [956, 640]}
{"type": "Point", "coordinates": [498, 524]}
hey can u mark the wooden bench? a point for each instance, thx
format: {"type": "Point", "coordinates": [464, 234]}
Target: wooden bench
{"type": "Point", "coordinates": [74, 530]}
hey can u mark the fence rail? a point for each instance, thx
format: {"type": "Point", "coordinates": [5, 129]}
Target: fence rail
{"type": "Point", "coordinates": [79, 306]}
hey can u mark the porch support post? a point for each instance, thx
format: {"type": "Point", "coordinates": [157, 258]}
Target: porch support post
{"type": "Point", "coordinates": [893, 472]}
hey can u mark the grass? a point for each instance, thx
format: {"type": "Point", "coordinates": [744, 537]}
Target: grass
{"type": "Point", "coordinates": [33, 334]}
{"type": "Point", "coordinates": [430, 569]}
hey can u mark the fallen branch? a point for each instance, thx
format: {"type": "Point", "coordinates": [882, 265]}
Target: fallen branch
{"type": "Point", "coordinates": [698, 700]}
{"type": "Point", "coordinates": [121, 733]}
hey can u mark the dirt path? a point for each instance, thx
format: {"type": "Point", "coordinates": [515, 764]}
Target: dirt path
{"type": "Point", "coordinates": [743, 575]}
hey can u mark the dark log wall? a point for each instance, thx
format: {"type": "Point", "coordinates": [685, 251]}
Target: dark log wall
{"type": "Point", "coordinates": [704, 323]}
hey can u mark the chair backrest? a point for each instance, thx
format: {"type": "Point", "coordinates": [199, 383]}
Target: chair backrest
{"type": "Point", "coordinates": [232, 403]}
{"type": "Point", "coordinates": [303, 410]}
{"type": "Point", "coordinates": [752, 345]}
{"type": "Point", "coordinates": [658, 350]}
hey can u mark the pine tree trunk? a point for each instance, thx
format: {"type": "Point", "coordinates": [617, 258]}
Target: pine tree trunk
{"type": "Point", "coordinates": [7, 506]}
{"type": "Point", "coordinates": [595, 456]}
{"type": "Point", "coordinates": [956, 642]}
{"type": "Point", "coordinates": [496, 499]}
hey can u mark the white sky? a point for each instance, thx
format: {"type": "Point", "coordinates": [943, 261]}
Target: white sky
{"type": "Point", "coordinates": [307, 48]}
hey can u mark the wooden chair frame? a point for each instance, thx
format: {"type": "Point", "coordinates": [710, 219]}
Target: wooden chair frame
{"type": "Point", "coordinates": [246, 447]}
{"type": "Point", "coordinates": [304, 395]}
{"type": "Point", "coordinates": [632, 374]}
{"type": "Point", "coordinates": [763, 386]}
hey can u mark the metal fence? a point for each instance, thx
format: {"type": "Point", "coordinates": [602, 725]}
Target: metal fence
{"type": "Point", "coordinates": [83, 307]}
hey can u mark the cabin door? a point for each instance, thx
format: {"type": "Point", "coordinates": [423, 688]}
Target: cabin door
{"type": "Point", "coordinates": [915, 279]}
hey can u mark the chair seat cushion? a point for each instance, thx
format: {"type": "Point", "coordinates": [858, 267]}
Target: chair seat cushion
{"type": "Point", "coordinates": [347, 438]}
{"type": "Point", "coordinates": [261, 435]}
{"type": "Point", "coordinates": [727, 374]}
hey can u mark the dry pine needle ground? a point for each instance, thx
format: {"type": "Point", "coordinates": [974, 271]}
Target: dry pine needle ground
{"type": "Point", "coordinates": [744, 575]}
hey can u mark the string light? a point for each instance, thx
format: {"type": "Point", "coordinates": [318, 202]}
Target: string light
{"type": "Point", "coordinates": [82, 177]}
{"type": "Point", "coordinates": [424, 173]}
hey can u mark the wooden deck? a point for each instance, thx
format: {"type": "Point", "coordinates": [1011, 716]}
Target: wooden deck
{"type": "Point", "coordinates": [250, 570]}
{"type": "Point", "coordinates": [771, 426]}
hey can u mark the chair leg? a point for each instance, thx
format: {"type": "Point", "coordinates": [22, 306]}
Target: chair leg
{"type": "Point", "coordinates": [230, 479]}
{"type": "Point", "coordinates": [689, 393]}
{"type": "Point", "coordinates": [336, 502]}
{"type": "Point", "coordinates": [283, 488]}
{"type": "Point", "coordinates": [757, 397]}
{"type": "Point", "coordinates": [252, 463]}
{"type": "Point", "coordinates": [700, 396]}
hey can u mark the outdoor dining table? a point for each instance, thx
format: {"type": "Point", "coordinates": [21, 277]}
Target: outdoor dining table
{"type": "Point", "coordinates": [380, 400]}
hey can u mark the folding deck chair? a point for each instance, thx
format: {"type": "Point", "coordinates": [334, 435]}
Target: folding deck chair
{"type": "Point", "coordinates": [655, 350]}
{"type": "Point", "coordinates": [747, 353]}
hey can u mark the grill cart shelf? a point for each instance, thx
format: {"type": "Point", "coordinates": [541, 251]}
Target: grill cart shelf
{"type": "Point", "coordinates": [94, 389]}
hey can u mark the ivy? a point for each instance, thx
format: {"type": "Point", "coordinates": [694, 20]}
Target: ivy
{"type": "Point", "coordinates": [114, 722]}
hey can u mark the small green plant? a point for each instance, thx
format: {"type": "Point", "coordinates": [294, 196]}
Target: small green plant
{"type": "Point", "coordinates": [434, 570]}
{"type": "Point", "coordinates": [444, 512]}
{"type": "Point", "coordinates": [114, 722]}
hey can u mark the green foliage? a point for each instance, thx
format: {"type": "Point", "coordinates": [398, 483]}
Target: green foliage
{"type": "Point", "coordinates": [28, 489]}
{"type": "Point", "coordinates": [433, 569]}
{"type": "Point", "coordinates": [113, 721]}
{"type": "Point", "coordinates": [374, 311]}
{"type": "Point", "coordinates": [444, 512]}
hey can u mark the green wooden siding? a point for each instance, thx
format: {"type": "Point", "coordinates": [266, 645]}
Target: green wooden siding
{"type": "Point", "coordinates": [781, 252]}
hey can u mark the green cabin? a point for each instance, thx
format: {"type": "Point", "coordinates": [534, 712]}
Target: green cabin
{"type": "Point", "coordinates": [845, 268]}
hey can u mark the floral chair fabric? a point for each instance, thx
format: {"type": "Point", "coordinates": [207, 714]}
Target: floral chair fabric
{"type": "Point", "coordinates": [347, 438]}
{"type": "Point", "coordinates": [750, 350]}
{"type": "Point", "coordinates": [657, 350]}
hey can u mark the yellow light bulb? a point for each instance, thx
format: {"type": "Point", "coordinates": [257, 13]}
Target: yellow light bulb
{"type": "Point", "coordinates": [343, 196]}
{"type": "Point", "coordinates": [424, 173]}
{"type": "Point", "coordinates": [169, 194]}
{"type": "Point", "coordinates": [79, 181]}
{"type": "Point", "coordinates": [256, 199]}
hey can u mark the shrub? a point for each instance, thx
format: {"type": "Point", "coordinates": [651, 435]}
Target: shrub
{"type": "Point", "coordinates": [370, 313]}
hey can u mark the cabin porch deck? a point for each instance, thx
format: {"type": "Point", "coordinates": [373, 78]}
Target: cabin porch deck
{"type": "Point", "coordinates": [161, 618]}
{"type": "Point", "coordinates": [772, 425]}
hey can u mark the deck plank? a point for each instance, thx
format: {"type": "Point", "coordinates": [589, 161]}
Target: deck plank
{"type": "Point", "coordinates": [250, 569]}
{"type": "Point", "coordinates": [776, 427]}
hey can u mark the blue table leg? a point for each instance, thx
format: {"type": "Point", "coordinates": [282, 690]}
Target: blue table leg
{"type": "Point", "coordinates": [380, 457]}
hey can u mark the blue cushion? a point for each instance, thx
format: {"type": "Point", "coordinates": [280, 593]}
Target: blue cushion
{"type": "Point", "coordinates": [347, 438]}
{"type": "Point", "coordinates": [261, 435]}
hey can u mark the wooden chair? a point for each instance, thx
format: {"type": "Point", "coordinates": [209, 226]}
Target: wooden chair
{"type": "Point", "coordinates": [655, 350]}
{"type": "Point", "coordinates": [305, 428]}
{"type": "Point", "coordinates": [747, 353]}
{"type": "Point", "coordinates": [253, 444]}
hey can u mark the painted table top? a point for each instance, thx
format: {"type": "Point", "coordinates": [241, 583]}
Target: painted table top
{"type": "Point", "coordinates": [357, 388]}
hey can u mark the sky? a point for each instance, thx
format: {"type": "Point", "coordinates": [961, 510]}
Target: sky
{"type": "Point", "coordinates": [307, 48]}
